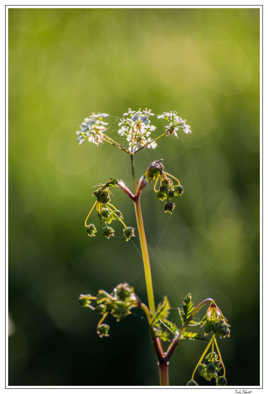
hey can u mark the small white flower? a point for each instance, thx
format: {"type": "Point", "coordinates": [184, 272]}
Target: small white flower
{"type": "Point", "coordinates": [137, 128]}
{"type": "Point", "coordinates": [92, 129]}
{"type": "Point", "coordinates": [175, 123]}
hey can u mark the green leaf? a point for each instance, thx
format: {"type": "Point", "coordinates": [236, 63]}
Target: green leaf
{"type": "Point", "coordinates": [162, 311]}
{"type": "Point", "coordinates": [162, 334]}
{"type": "Point", "coordinates": [187, 309]}
{"type": "Point", "coordinates": [193, 336]}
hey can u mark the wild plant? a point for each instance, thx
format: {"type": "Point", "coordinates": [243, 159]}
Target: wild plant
{"type": "Point", "coordinates": [137, 131]}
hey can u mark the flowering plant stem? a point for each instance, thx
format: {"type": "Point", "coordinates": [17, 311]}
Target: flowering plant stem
{"type": "Point", "coordinates": [136, 126]}
{"type": "Point", "coordinates": [162, 361]}
{"type": "Point", "coordinates": [145, 254]}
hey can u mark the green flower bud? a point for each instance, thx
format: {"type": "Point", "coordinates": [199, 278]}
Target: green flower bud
{"type": "Point", "coordinates": [119, 214]}
{"type": "Point", "coordinates": [91, 230]}
{"type": "Point", "coordinates": [85, 301]}
{"type": "Point", "coordinates": [164, 186]}
{"type": "Point", "coordinates": [129, 232]}
{"type": "Point", "coordinates": [112, 182]}
{"type": "Point", "coordinates": [222, 381]}
{"type": "Point", "coordinates": [212, 357]}
{"type": "Point", "coordinates": [169, 207]}
{"type": "Point", "coordinates": [103, 296]}
{"type": "Point", "coordinates": [108, 232]}
{"type": "Point", "coordinates": [178, 190]}
{"type": "Point", "coordinates": [161, 196]}
{"type": "Point", "coordinates": [104, 213]}
{"type": "Point", "coordinates": [211, 368]}
{"type": "Point", "coordinates": [154, 170]}
{"type": "Point", "coordinates": [120, 309]}
{"type": "Point", "coordinates": [191, 382]}
{"type": "Point", "coordinates": [222, 329]}
{"type": "Point", "coordinates": [103, 330]}
{"type": "Point", "coordinates": [123, 291]}
{"type": "Point", "coordinates": [103, 195]}
{"type": "Point", "coordinates": [201, 368]}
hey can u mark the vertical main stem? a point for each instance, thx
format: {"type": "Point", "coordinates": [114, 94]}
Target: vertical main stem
{"type": "Point", "coordinates": [162, 363]}
{"type": "Point", "coordinates": [163, 374]}
{"type": "Point", "coordinates": [145, 255]}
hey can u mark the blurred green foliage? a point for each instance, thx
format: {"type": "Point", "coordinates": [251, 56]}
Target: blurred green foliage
{"type": "Point", "coordinates": [66, 63]}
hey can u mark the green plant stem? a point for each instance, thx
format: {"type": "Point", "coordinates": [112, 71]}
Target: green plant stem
{"type": "Point", "coordinates": [145, 254]}
{"type": "Point", "coordinates": [162, 361]}
{"type": "Point", "coordinates": [133, 173]}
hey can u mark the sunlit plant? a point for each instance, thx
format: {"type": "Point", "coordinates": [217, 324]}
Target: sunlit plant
{"type": "Point", "coordinates": [138, 132]}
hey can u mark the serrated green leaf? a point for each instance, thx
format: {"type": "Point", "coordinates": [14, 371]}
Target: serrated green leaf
{"type": "Point", "coordinates": [162, 311]}
{"type": "Point", "coordinates": [193, 323]}
{"type": "Point", "coordinates": [187, 308]}
{"type": "Point", "coordinates": [193, 336]}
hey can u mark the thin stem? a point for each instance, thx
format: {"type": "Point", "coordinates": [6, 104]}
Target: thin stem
{"type": "Point", "coordinates": [155, 183]}
{"type": "Point", "coordinates": [201, 304]}
{"type": "Point", "coordinates": [220, 357]}
{"type": "Point", "coordinates": [173, 177]}
{"type": "Point", "coordinates": [114, 210]}
{"type": "Point", "coordinates": [156, 139]}
{"type": "Point", "coordinates": [203, 355]}
{"type": "Point", "coordinates": [160, 136]}
{"type": "Point", "coordinates": [147, 312]}
{"type": "Point", "coordinates": [174, 344]}
{"type": "Point", "coordinates": [145, 255]}
{"type": "Point", "coordinates": [133, 172]}
{"type": "Point", "coordinates": [103, 318]}
{"type": "Point", "coordinates": [115, 143]}
{"type": "Point", "coordinates": [89, 213]}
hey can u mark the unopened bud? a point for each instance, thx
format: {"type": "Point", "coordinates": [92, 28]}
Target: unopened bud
{"type": "Point", "coordinates": [161, 196]}
{"type": "Point", "coordinates": [129, 232]}
{"type": "Point", "coordinates": [154, 170]}
{"type": "Point", "coordinates": [169, 207]}
{"type": "Point", "coordinates": [108, 232]}
{"type": "Point", "coordinates": [91, 230]}
{"type": "Point", "coordinates": [103, 330]}
{"type": "Point", "coordinates": [102, 196]}
{"type": "Point", "coordinates": [178, 190]}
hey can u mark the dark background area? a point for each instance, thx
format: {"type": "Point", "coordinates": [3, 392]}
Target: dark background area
{"type": "Point", "coordinates": [67, 63]}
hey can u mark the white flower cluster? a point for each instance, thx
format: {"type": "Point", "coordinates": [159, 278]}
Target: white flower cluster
{"type": "Point", "coordinates": [137, 128]}
{"type": "Point", "coordinates": [92, 129]}
{"type": "Point", "coordinates": [175, 122]}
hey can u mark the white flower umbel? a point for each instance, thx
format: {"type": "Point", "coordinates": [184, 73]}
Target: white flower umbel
{"type": "Point", "coordinates": [137, 128]}
{"type": "Point", "coordinates": [175, 122]}
{"type": "Point", "coordinates": [92, 129]}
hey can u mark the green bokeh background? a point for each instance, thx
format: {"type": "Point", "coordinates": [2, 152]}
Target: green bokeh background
{"type": "Point", "coordinates": [67, 63]}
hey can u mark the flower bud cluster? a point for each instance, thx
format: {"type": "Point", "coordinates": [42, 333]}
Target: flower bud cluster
{"type": "Point", "coordinates": [168, 190]}
{"type": "Point", "coordinates": [108, 213]}
{"type": "Point", "coordinates": [92, 129]}
{"type": "Point", "coordinates": [118, 304]}
{"type": "Point", "coordinates": [214, 322]}
{"type": "Point", "coordinates": [211, 368]}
